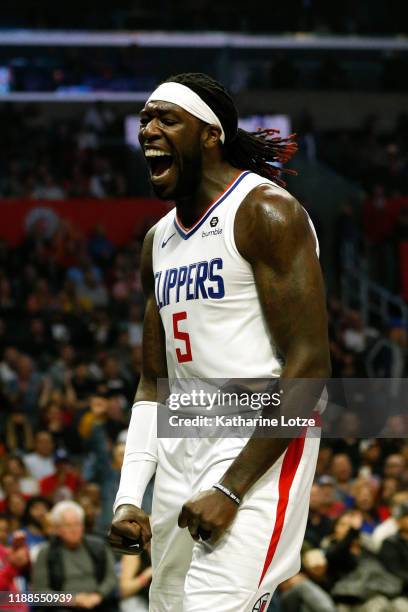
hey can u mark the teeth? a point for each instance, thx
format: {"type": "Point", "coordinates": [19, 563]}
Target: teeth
{"type": "Point", "coordinates": [155, 153]}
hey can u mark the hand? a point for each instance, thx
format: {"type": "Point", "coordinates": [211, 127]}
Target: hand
{"type": "Point", "coordinates": [94, 599]}
{"type": "Point", "coordinates": [130, 526]}
{"type": "Point", "coordinates": [356, 520]}
{"type": "Point", "coordinates": [208, 514]}
{"type": "Point", "coordinates": [79, 600]}
{"type": "Point", "coordinates": [146, 576]}
{"type": "Point", "coordinates": [86, 600]}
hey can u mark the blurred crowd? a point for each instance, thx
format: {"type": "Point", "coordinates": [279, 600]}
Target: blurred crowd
{"type": "Point", "coordinates": [368, 156]}
{"type": "Point", "coordinates": [76, 156]}
{"type": "Point", "coordinates": [66, 70]}
{"type": "Point", "coordinates": [71, 313]}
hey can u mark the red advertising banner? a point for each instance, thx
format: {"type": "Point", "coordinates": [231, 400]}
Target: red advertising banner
{"type": "Point", "coordinates": [121, 217]}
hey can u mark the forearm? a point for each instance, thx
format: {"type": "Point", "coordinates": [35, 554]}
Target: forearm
{"type": "Point", "coordinates": [299, 398]}
{"type": "Point", "coordinates": [136, 584]}
{"type": "Point", "coordinates": [140, 459]}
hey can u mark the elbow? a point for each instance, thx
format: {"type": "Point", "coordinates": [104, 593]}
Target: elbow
{"type": "Point", "coordinates": [310, 364]}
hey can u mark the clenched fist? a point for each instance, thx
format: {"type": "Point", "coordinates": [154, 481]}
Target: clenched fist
{"type": "Point", "coordinates": [208, 515]}
{"type": "Point", "coordinates": [130, 530]}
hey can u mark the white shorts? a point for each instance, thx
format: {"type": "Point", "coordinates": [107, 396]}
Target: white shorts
{"type": "Point", "coordinates": [259, 551]}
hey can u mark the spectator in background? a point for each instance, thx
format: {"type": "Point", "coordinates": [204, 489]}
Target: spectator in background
{"type": "Point", "coordinates": [15, 466]}
{"type": "Point", "coordinates": [63, 366]}
{"type": "Point", "coordinates": [389, 527]}
{"type": "Point", "coordinates": [303, 592]}
{"type": "Point", "coordinates": [33, 520]}
{"type": "Point", "coordinates": [394, 550]}
{"type": "Point", "coordinates": [9, 485]}
{"type": "Point", "coordinates": [360, 582]}
{"type": "Point", "coordinates": [330, 505]}
{"type": "Point", "coordinates": [388, 488]}
{"type": "Point", "coordinates": [64, 477]}
{"type": "Point", "coordinates": [8, 365]}
{"type": "Point", "coordinates": [48, 189]}
{"type": "Point", "coordinates": [19, 431]}
{"type": "Point", "coordinates": [39, 343]}
{"type": "Point", "coordinates": [394, 466]}
{"type": "Point", "coordinates": [100, 248]}
{"type": "Point", "coordinates": [92, 293]}
{"type": "Point", "coordinates": [83, 384]}
{"type": "Point", "coordinates": [364, 496]}
{"type": "Point", "coordinates": [324, 459]}
{"type": "Point", "coordinates": [14, 566]}
{"type": "Point", "coordinates": [318, 524]}
{"type": "Point", "coordinates": [105, 182]}
{"type": "Point", "coordinates": [25, 391]}
{"type": "Point", "coordinates": [40, 462]}
{"type": "Point", "coordinates": [76, 563]}
{"type": "Point", "coordinates": [15, 504]}
{"type": "Point", "coordinates": [342, 470]}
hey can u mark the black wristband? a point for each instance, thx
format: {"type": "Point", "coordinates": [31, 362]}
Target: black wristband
{"type": "Point", "coordinates": [228, 493]}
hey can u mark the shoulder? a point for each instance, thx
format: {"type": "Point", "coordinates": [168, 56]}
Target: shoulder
{"type": "Point", "coordinates": [269, 215]}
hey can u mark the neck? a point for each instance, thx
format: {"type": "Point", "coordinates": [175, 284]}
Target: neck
{"type": "Point", "coordinates": [214, 180]}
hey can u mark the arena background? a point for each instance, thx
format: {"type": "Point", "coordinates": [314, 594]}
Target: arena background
{"type": "Point", "coordinates": [75, 204]}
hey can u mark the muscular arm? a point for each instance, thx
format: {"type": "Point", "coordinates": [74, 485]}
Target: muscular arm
{"type": "Point", "coordinates": [273, 234]}
{"type": "Point", "coordinates": [154, 356]}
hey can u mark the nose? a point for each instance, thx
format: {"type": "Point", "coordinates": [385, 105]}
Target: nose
{"type": "Point", "coordinates": [150, 131]}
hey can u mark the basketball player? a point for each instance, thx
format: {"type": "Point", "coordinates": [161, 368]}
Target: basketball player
{"type": "Point", "coordinates": [228, 514]}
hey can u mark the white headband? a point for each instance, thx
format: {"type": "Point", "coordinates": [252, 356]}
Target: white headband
{"type": "Point", "coordinates": [186, 98]}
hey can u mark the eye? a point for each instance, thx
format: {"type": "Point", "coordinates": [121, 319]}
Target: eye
{"type": "Point", "coordinates": [168, 121]}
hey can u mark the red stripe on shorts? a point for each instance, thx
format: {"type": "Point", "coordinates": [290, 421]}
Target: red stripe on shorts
{"type": "Point", "coordinates": [290, 464]}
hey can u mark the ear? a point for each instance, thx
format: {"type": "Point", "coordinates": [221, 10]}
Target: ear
{"type": "Point", "coordinates": [210, 136]}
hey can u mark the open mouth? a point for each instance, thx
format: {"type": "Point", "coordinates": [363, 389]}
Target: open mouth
{"type": "Point", "coordinates": [159, 162]}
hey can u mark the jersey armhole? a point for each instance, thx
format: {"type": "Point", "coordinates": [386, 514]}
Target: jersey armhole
{"type": "Point", "coordinates": [231, 221]}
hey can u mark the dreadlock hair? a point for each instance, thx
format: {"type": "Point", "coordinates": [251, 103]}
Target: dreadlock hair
{"type": "Point", "coordinates": [255, 151]}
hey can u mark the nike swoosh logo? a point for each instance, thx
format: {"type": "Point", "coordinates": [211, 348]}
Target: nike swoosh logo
{"type": "Point", "coordinates": [166, 241]}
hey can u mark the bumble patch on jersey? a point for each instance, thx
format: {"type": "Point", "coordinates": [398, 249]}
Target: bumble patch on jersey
{"type": "Point", "coordinates": [201, 280]}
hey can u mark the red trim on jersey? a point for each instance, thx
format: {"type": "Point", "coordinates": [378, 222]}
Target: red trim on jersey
{"type": "Point", "coordinates": [188, 229]}
{"type": "Point", "coordinates": [290, 464]}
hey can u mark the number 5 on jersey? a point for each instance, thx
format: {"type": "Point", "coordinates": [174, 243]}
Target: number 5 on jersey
{"type": "Point", "coordinates": [182, 355]}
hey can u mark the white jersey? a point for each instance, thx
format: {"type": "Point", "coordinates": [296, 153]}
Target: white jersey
{"type": "Point", "coordinates": [206, 294]}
